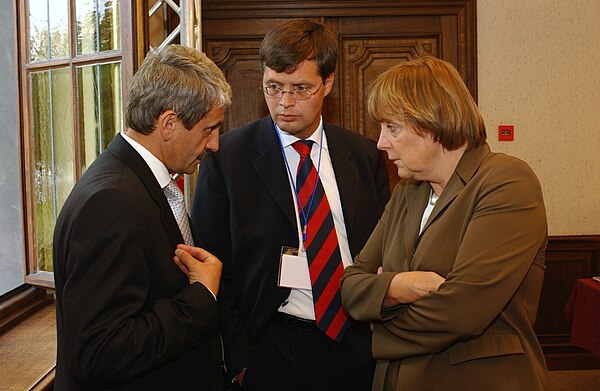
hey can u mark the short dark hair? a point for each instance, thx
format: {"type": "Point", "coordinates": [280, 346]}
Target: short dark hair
{"type": "Point", "coordinates": [175, 78]}
{"type": "Point", "coordinates": [289, 43]}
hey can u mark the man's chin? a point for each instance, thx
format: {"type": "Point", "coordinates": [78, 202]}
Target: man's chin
{"type": "Point", "coordinates": [286, 128]}
{"type": "Point", "coordinates": [191, 169]}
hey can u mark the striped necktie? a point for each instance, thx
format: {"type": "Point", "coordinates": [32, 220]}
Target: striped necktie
{"type": "Point", "coordinates": [322, 249]}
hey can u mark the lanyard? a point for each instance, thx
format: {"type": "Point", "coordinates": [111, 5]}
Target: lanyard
{"type": "Point", "coordinates": [312, 197]}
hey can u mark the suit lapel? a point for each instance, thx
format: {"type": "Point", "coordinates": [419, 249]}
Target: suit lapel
{"type": "Point", "coordinates": [346, 176]}
{"type": "Point", "coordinates": [124, 151]}
{"type": "Point", "coordinates": [466, 168]}
{"type": "Point", "coordinates": [415, 200]}
{"type": "Point", "coordinates": [450, 192]}
{"type": "Point", "coordinates": [271, 169]}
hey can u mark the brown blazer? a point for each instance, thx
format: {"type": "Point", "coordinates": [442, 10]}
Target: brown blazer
{"type": "Point", "coordinates": [487, 236]}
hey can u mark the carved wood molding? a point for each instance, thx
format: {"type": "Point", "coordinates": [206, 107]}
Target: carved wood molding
{"type": "Point", "coordinates": [238, 59]}
{"type": "Point", "coordinates": [372, 36]}
{"type": "Point", "coordinates": [315, 8]}
{"type": "Point", "coordinates": [364, 59]}
{"type": "Point", "coordinates": [456, 16]}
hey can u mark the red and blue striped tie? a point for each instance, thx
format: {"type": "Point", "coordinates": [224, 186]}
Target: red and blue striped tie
{"type": "Point", "coordinates": [322, 249]}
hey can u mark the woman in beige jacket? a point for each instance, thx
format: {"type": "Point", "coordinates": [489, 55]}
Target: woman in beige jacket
{"type": "Point", "coordinates": [451, 276]}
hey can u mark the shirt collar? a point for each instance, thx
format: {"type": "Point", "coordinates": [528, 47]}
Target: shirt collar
{"type": "Point", "coordinates": [157, 167]}
{"type": "Point", "coordinates": [288, 139]}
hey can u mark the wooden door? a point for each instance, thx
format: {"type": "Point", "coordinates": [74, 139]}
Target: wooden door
{"type": "Point", "coordinates": [373, 36]}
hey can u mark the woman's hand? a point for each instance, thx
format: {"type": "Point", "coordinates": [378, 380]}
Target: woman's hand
{"type": "Point", "coordinates": [407, 287]}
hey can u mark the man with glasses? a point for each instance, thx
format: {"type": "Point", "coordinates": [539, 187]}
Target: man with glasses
{"type": "Point", "coordinates": [286, 204]}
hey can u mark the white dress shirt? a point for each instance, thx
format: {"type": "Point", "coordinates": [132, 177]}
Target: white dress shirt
{"type": "Point", "coordinates": [157, 167]}
{"type": "Point", "coordinates": [300, 302]}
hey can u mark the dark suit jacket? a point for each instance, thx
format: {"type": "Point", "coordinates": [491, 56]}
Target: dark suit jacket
{"type": "Point", "coordinates": [487, 236]}
{"type": "Point", "coordinates": [127, 317]}
{"type": "Point", "coordinates": [245, 213]}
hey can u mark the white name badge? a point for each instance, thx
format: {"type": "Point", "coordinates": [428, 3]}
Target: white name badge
{"type": "Point", "coordinates": [293, 269]}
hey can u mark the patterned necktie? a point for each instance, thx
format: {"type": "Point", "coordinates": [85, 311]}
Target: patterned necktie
{"type": "Point", "coordinates": [176, 201]}
{"type": "Point", "coordinates": [322, 249]}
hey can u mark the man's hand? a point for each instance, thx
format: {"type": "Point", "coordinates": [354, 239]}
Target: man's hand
{"type": "Point", "coordinates": [199, 265]}
{"type": "Point", "coordinates": [407, 287]}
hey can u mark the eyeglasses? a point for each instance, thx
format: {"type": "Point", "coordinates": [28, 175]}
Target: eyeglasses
{"type": "Point", "coordinates": [298, 93]}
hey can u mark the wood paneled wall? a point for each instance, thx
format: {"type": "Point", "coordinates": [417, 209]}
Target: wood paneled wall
{"type": "Point", "coordinates": [373, 35]}
{"type": "Point", "coordinates": [568, 258]}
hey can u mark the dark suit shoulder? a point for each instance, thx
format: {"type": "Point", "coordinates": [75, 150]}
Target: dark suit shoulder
{"type": "Point", "coordinates": [247, 132]}
{"type": "Point", "coordinates": [351, 134]}
{"type": "Point", "coordinates": [107, 172]}
{"type": "Point", "coordinates": [108, 180]}
{"type": "Point", "coordinates": [351, 138]}
{"type": "Point", "coordinates": [246, 142]}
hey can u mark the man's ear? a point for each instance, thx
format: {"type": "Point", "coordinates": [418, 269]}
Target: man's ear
{"type": "Point", "coordinates": [328, 85]}
{"type": "Point", "coordinates": [165, 124]}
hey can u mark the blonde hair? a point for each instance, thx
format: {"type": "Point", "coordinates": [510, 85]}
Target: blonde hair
{"type": "Point", "coordinates": [429, 94]}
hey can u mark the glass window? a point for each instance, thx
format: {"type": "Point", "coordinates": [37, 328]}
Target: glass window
{"type": "Point", "coordinates": [99, 109]}
{"type": "Point", "coordinates": [73, 105]}
{"type": "Point", "coordinates": [97, 26]}
{"type": "Point", "coordinates": [54, 174]}
{"type": "Point", "coordinates": [48, 29]}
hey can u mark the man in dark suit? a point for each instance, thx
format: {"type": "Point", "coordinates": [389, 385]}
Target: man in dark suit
{"type": "Point", "coordinates": [135, 308]}
{"type": "Point", "coordinates": [250, 202]}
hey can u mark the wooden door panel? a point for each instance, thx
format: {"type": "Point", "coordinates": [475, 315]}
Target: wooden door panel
{"type": "Point", "coordinates": [372, 37]}
{"type": "Point", "coordinates": [563, 268]}
{"type": "Point", "coordinates": [362, 61]}
{"type": "Point", "coordinates": [238, 59]}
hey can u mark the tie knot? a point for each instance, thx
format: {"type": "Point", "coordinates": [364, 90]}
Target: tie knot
{"type": "Point", "coordinates": [303, 147]}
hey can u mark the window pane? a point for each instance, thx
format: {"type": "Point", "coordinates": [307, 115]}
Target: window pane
{"type": "Point", "coordinates": [43, 181]}
{"type": "Point", "coordinates": [109, 25]}
{"type": "Point", "coordinates": [53, 153]}
{"type": "Point", "coordinates": [89, 123]}
{"type": "Point", "coordinates": [98, 26]}
{"type": "Point", "coordinates": [44, 19]}
{"type": "Point", "coordinates": [99, 95]}
{"type": "Point", "coordinates": [38, 30]}
{"type": "Point", "coordinates": [62, 130]}
{"type": "Point", "coordinates": [59, 29]}
{"type": "Point", "coordinates": [86, 26]}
